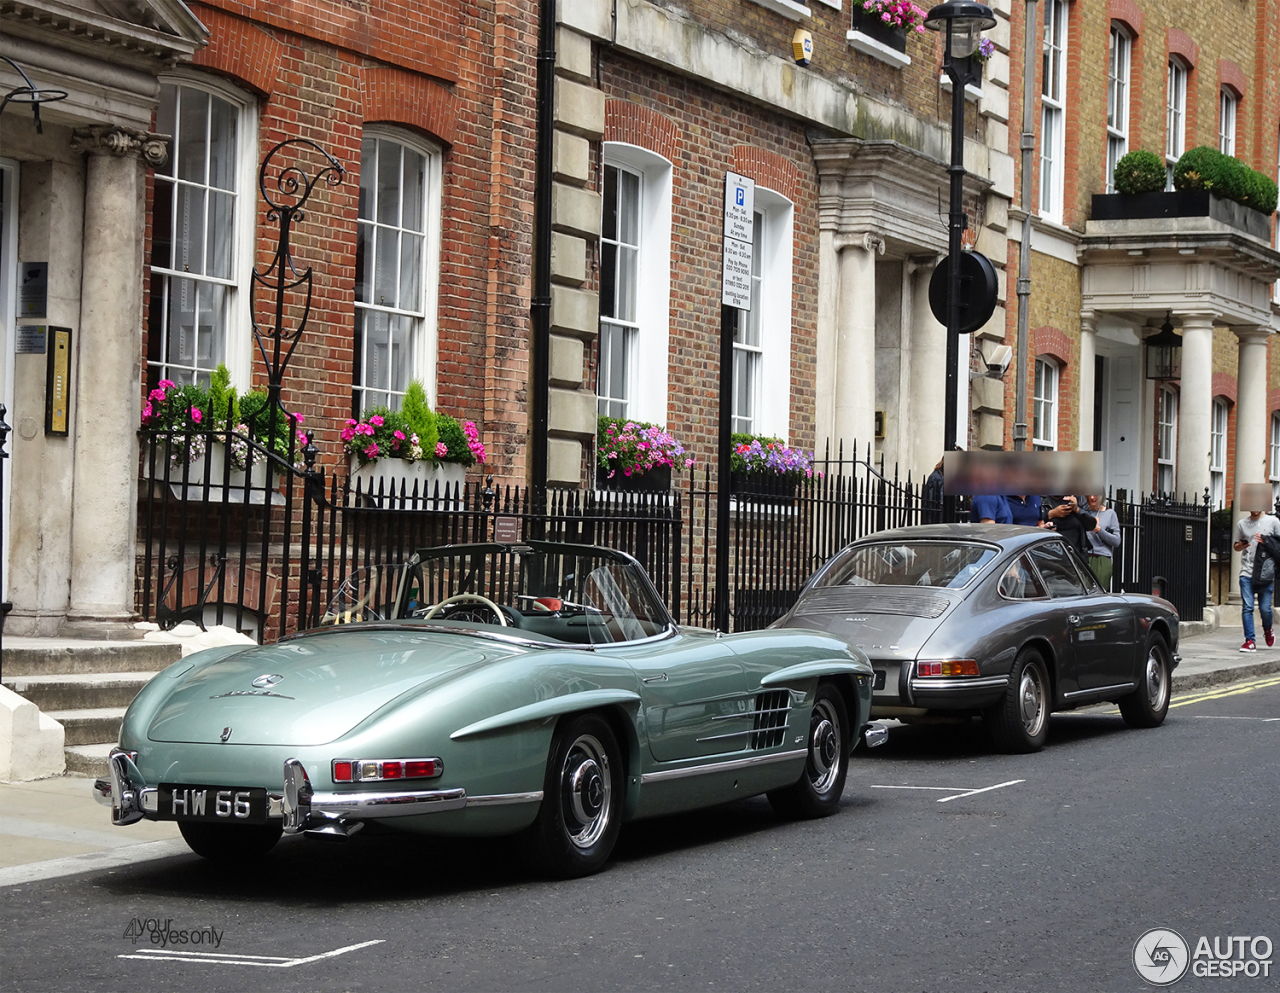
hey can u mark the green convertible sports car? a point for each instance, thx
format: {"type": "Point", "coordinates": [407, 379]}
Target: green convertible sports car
{"type": "Point", "coordinates": [490, 689]}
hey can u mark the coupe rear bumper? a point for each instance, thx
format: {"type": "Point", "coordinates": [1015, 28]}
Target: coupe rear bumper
{"type": "Point", "coordinates": [958, 693]}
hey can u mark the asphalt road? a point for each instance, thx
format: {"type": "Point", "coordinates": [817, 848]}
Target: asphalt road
{"type": "Point", "coordinates": [1044, 881]}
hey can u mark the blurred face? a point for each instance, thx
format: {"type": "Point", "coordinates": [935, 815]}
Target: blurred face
{"type": "Point", "coordinates": [1095, 501]}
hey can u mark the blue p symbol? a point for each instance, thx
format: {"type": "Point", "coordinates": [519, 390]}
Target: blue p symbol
{"type": "Point", "coordinates": [740, 196]}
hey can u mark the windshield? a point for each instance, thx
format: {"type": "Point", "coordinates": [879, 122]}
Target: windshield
{"type": "Point", "coordinates": [542, 590]}
{"type": "Point", "coordinates": [949, 564]}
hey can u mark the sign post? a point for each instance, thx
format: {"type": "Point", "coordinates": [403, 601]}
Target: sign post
{"type": "Point", "coordinates": [735, 295]}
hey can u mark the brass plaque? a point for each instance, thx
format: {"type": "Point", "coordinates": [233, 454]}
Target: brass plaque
{"type": "Point", "coordinates": [57, 392]}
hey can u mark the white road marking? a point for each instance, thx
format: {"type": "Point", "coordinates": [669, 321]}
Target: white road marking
{"type": "Point", "coordinates": [998, 786]}
{"type": "Point", "coordinates": [228, 958]}
{"type": "Point", "coordinates": [1228, 717]}
{"type": "Point", "coordinates": [944, 789]}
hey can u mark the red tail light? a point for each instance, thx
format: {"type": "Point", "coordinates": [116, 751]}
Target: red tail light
{"type": "Point", "coordinates": [380, 770]}
{"type": "Point", "coordinates": [948, 667]}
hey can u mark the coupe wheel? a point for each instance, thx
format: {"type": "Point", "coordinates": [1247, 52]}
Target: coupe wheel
{"type": "Point", "coordinates": [1146, 706]}
{"type": "Point", "coordinates": [817, 792]}
{"type": "Point", "coordinates": [1020, 722]}
{"type": "Point", "coordinates": [582, 800]}
{"type": "Point", "coordinates": [230, 842]}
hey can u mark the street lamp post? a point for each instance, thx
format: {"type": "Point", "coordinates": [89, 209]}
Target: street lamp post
{"type": "Point", "coordinates": [963, 22]}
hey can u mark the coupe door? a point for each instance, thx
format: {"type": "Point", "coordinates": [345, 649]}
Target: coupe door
{"type": "Point", "coordinates": [695, 698]}
{"type": "Point", "coordinates": [1096, 625]}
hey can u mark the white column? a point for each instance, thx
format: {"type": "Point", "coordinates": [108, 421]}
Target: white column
{"type": "Point", "coordinates": [1195, 405]}
{"type": "Point", "coordinates": [828, 333]}
{"type": "Point", "coordinates": [107, 398]}
{"type": "Point", "coordinates": [927, 378]}
{"type": "Point", "coordinates": [1088, 362]}
{"type": "Point", "coordinates": [1252, 424]}
{"type": "Point", "coordinates": [855, 385]}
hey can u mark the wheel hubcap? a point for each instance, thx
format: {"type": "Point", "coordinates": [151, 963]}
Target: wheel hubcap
{"type": "Point", "coordinates": [1031, 701]}
{"type": "Point", "coordinates": [1156, 683]}
{"type": "Point", "coordinates": [824, 748]}
{"type": "Point", "coordinates": [585, 791]}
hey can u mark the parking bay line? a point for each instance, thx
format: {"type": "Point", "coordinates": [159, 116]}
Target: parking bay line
{"type": "Point", "coordinates": [1228, 717]}
{"type": "Point", "coordinates": [949, 789]}
{"type": "Point", "coordinates": [229, 958]}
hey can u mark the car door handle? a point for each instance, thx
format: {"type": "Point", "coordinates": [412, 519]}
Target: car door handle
{"type": "Point", "coordinates": [1074, 618]}
{"type": "Point", "coordinates": [655, 679]}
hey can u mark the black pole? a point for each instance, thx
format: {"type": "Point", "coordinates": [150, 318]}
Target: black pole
{"type": "Point", "coordinates": [540, 309]}
{"type": "Point", "coordinates": [728, 321]}
{"type": "Point", "coordinates": [957, 70]}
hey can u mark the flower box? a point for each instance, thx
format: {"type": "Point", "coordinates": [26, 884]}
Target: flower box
{"type": "Point", "coordinates": [395, 481]}
{"type": "Point", "coordinates": [211, 467]}
{"type": "Point", "coordinates": [763, 488]}
{"type": "Point", "coordinates": [1181, 203]}
{"type": "Point", "coordinates": [871, 25]}
{"type": "Point", "coordinates": [656, 480]}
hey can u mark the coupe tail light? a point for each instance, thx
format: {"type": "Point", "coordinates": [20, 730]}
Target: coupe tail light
{"type": "Point", "coordinates": [948, 667]}
{"type": "Point", "coordinates": [380, 770]}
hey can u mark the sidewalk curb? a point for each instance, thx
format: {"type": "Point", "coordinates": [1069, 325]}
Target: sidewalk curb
{"type": "Point", "coordinates": [1216, 677]}
{"type": "Point", "coordinates": [112, 858]}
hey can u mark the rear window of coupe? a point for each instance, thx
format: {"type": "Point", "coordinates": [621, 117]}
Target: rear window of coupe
{"type": "Point", "coordinates": [940, 564]}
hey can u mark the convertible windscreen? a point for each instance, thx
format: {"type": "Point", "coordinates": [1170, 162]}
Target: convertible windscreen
{"type": "Point", "coordinates": [950, 564]}
{"type": "Point", "coordinates": [542, 590]}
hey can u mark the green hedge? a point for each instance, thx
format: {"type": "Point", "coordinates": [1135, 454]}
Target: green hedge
{"type": "Point", "coordinates": [1205, 168]}
{"type": "Point", "coordinates": [1140, 171]}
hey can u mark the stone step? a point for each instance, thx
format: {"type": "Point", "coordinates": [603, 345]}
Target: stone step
{"type": "Point", "coordinates": [90, 727]}
{"type": "Point", "coordinates": [43, 657]}
{"type": "Point", "coordinates": [80, 691]}
{"type": "Point", "coordinates": [88, 760]}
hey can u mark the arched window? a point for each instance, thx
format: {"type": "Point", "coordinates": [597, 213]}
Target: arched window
{"type": "Point", "coordinates": [1044, 418]}
{"type": "Point", "coordinates": [202, 233]}
{"type": "Point", "coordinates": [397, 268]}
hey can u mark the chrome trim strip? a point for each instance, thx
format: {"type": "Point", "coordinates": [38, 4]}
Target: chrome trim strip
{"type": "Point", "coordinates": [502, 799]}
{"type": "Point", "coordinates": [362, 806]}
{"type": "Point", "coordinates": [732, 765]}
{"type": "Point", "coordinates": [738, 734]}
{"type": "Point", "coordinates": [766, 712]}
{"type": "Point", "coordinates": [1098, 689]}
{"type": "Point", "coordinates": [919, 683]}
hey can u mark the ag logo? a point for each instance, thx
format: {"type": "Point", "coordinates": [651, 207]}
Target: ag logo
{"type": "Point", "coordinates": [1161, 956]}
{"type": "Point", "coordinates": [270, 679]}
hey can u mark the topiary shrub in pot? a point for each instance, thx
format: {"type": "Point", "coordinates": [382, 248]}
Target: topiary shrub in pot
{"type": "Point", "coordinates": [1139, 171]}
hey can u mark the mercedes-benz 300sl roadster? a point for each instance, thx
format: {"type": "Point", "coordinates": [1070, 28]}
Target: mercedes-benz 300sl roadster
{"type": "Point", "coordinates": [535, 688]}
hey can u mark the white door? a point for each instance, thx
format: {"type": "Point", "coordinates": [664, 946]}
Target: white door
{"type": "Point", "coordinates": [1120, 408]}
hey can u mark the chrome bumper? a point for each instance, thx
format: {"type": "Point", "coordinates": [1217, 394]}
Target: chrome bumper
{"type": "Point", "coordinates": [131, 801]}
{"type": "Point", "coordinates": [875, 735]}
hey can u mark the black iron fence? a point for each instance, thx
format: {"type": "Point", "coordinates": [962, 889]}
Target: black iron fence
{"type": "Point", "coordinates": [262, 541]}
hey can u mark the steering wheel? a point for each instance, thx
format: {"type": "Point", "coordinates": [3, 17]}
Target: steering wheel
{"type": "Point", "coordinates": [467, 598]}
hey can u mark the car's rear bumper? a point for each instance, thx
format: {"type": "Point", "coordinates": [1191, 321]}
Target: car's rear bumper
{"type": "Point", "coordinates": [131, 799]}
{"type": "Point", "coordinates": [958, 693]}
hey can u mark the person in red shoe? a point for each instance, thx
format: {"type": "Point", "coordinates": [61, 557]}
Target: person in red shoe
{"type": "Point", "coordinates": [1248, 536]}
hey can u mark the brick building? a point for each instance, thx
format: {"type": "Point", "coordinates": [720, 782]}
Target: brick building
{"type": "Point", "coordinates": [1112, 77]}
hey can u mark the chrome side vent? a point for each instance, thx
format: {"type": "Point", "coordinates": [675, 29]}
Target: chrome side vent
{"type": "Point", "coordinates": [770, 729]}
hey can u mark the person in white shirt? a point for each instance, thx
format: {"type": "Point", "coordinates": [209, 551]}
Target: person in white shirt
{"type": "Point", "coordinates": [1248, 534]}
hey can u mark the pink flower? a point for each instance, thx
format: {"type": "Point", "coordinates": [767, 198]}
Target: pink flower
{"type": "Point", "coordinates": [156, 396]}
{"type": "Point", "coordinates": [376, 420]}
{"type": "Point", "coordinates": [352, 422]}
{"type": "Point", "coordinates": [372, 451]}
{"type": "Point", "coordinates": [302, 437]}
{"type": "Point", "coordinates": [441, 449]}
{"type": "Point", "coordinates": [146, 413]}
{"type": "Point", "coordinates": [299, 418]}
{"type": "Point", "coordinates": [196, 415]}
{"type": "Point", "coordinates": [398, 435]}
{"type": "Point", "coordinates": [348, 433]}
{"type": "Point", "coordinates": [166, 384]}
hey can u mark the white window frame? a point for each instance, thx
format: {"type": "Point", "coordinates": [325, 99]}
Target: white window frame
{"type": "Point", "coordinates": [1053, 110]}
{"type": "Point", "coordinates": [1228, 104]}
{"type": "Point", "coordinates": [1175, 121]}
{"type": "Point", "coordinates": [1273, 463]}
{"type": "Point", "coordinates": [238, 333]}
{"type": "Point", "coordinates": [1044, 418]}
{"type": "Point", "coordinates": [424, 322]}
{"type": "Point", "coordinates": [1118, 69]}
{"type": "Point", "coordinates": [771, 307]}
{"type": "Point", "coordinates": [649, 358]}
{"type": "Point", "coordinates": [1166, 440]}
{"type": "Point", "coordinates": [1218, 454]}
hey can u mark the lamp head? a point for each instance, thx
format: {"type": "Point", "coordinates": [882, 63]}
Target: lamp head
{"type": "Point", "coordinates": [964, 21]}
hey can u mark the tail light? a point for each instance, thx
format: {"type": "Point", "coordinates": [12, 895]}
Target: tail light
{"type": "Point", "coordinates": [381, 770]}
{"type": "Point", "coordinates": [948, 667]}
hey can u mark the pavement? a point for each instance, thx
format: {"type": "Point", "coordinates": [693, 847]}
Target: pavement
{"type": "Point", "coordinates": [54, 827]}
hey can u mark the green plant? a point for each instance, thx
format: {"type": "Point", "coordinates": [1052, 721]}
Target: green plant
{"type": "Point", "coordinates": [751, 453]}
{"type": "Point", "coordinates": [1205, 168]}
{"type": "Point", "coordinates": [223, 403]}
{"type": "Point", "coordinates": [634, 447]}
{"type": "Point", "coordinates": [1139, 171]}
{"type": "Point", "coordinates": [418, 418]}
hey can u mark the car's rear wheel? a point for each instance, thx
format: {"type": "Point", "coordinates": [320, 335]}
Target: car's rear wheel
{"type": "Point", "coordinates": [817, 792]}
{"type": "Point", "coordinates": [582, 799]}
{"type": "Point", "coordinates": [230, 842]}
{"type": "Point", "coordinates": [1146, 706]}
{"type": "Point", "coordinates": [1020, 722]}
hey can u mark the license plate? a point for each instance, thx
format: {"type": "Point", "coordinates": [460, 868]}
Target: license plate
{"type": "Point", "coordinates": [219, 804]}
{"type": "Point", "coordinates": [879, 683]}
